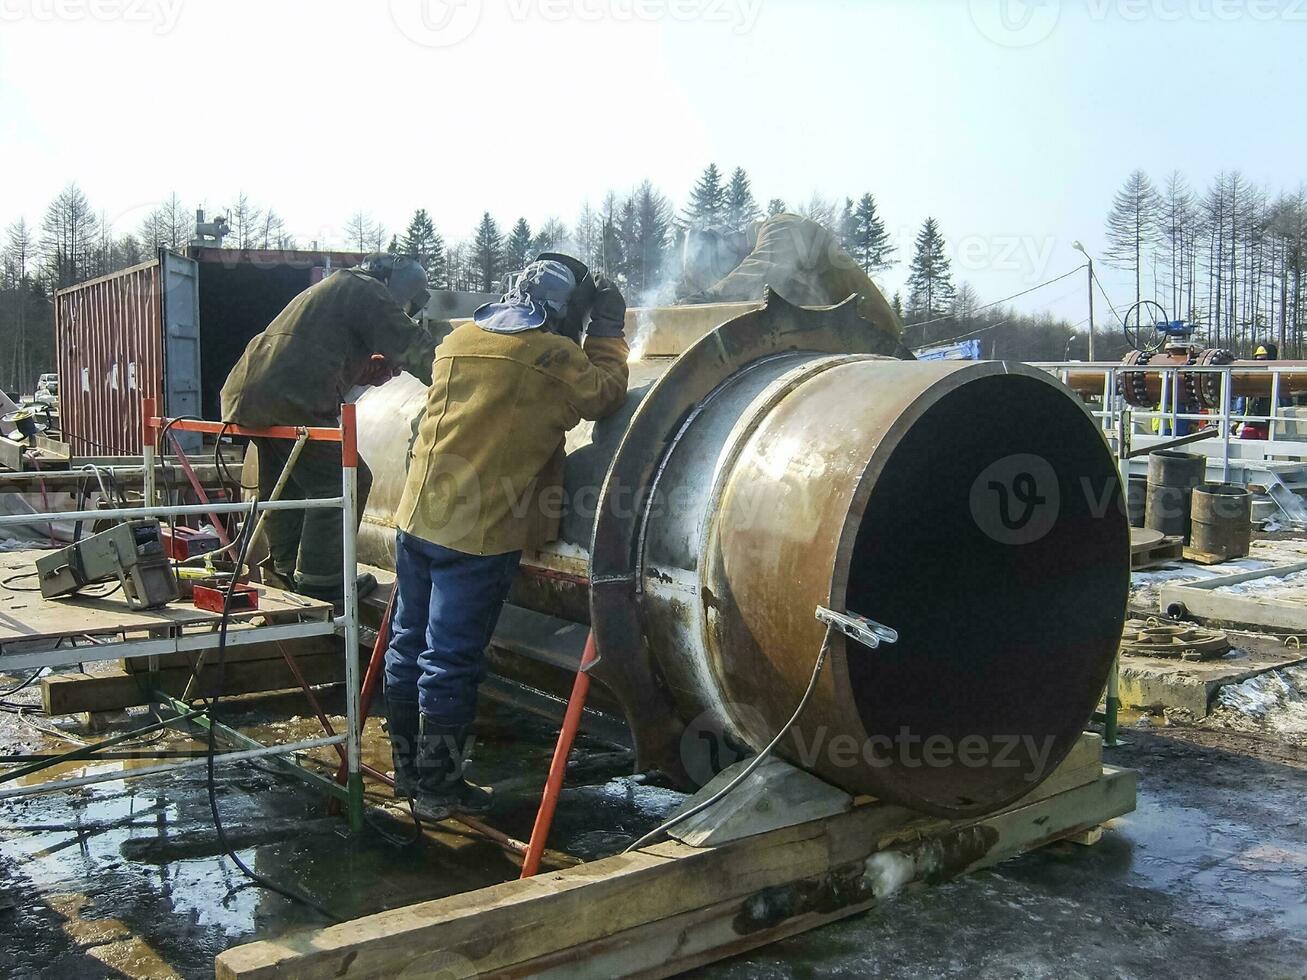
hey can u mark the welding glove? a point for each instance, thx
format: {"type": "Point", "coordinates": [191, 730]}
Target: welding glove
{"type": "Point", "coordinates": [608, 312]}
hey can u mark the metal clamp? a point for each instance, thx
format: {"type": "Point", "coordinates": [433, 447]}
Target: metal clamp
{"type": "Point", "coordinates": [866, 631]}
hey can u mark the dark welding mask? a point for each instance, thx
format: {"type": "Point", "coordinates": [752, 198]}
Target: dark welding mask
{"type": "Point", "coordinates": [403, 276]}
{"type": "Point", "coordinates": [573, 320]}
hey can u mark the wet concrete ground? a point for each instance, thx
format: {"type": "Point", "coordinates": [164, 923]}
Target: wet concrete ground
{"type": "Point", "coordinates": [125, 879]}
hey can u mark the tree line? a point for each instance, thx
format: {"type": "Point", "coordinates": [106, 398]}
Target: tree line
{"type": "Point", "coordinates": [634, 237]}
{"type": "Point", "coordinates": [1227, 259]}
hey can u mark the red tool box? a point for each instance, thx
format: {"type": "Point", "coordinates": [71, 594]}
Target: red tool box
{"type": "Point", "coordinates": [243, 598]}
{"type": "Point", "coordinates": [183, 543]}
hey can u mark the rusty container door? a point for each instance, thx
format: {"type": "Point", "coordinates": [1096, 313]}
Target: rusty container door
{"type": "Point", "coordinates": [181, 341]}
{"type": "Point", "coordinates": [109, 336]}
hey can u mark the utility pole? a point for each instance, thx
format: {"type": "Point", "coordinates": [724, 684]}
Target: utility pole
{"type": "Point", "coordinates": [1091, 308]}
{"type": "Point", "coordinates": [1090, 266]}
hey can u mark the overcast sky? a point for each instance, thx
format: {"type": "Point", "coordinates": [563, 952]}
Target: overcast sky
{"type": "Point", "coordinates": [1012, 123]}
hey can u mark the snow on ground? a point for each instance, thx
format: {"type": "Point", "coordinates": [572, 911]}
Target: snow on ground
{"type": "Point", "coordinates": [1272, 702]}
{"type": "Point", "coordinates": [1270, 586]}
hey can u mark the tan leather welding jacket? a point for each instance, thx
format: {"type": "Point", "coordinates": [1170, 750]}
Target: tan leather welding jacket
{"type": "Point", "coordinates": [298, 370]}
{"type": "Point", "coordinates": [486, 470]}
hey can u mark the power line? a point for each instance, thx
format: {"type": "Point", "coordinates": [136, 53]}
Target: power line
{"type": "Point", "coordinates": [1005, 299]}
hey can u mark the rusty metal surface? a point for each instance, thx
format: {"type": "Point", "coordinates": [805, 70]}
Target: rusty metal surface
{"type": "Point", "coordinates": [108, 334]}
{"type": "Point", "coordinates": [1143, 389]}
{"type": "Point", "coordinates": [785, 461]}
{"type": "Point", "coordinates": [1221, 516]}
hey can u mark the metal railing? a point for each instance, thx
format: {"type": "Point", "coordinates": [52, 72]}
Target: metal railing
{"type": "Point", "coordinates": [346, 623]}
{"type": "Point", "coordinates": [1169, 413]}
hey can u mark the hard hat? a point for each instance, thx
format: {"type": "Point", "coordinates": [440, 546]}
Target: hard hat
{"type": "Point", "coordinates": [1261, 352]}
{"type": "Point", "coordinates": [404, 278]}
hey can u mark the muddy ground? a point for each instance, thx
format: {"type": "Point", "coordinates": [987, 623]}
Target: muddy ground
{"type": "Point", "coordinates": [126, 879]}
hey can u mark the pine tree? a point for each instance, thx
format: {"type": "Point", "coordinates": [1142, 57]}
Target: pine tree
{"type": "Point", "coordinates": [1132, 226]}
{"type": "Point", "coordinates": [487, 254]}
{"type": "Point", "coordinates": [518, 248]}
{"type": "Point", "coordinates": [741, 209]}
{"type": "Point", "coordinates": [646, 226]}
{"type": "Point", "coordinates": [421, 241]}
{"type": "Point", "coordinates": [930, 283]}
{"type": "Point", "coordinates": [776, 206]}
{"type": "Point", "coordinates": [867, 240]}
{"type": "Point", "coordinates": [707, 200]}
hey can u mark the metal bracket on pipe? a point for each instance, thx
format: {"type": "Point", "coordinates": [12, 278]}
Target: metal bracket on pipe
{"type": "Point", "coordinates": [866, 631]}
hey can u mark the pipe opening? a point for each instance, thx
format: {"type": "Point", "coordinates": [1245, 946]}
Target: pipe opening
{"type": "Point", "coordinates": [995, 541]}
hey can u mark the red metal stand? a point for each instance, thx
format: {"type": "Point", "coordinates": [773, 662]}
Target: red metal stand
{"type": "Point", "coordinates": [558, 767]}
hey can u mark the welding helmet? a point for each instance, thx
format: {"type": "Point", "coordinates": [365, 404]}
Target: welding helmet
{"type": "Point", "coordinates": [539, 298]}
{"type": "Point", "coordinates": [572, 322]}
{"type": "Point", "coordinates": [403, 276]}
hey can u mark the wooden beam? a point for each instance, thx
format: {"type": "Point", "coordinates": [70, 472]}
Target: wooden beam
{"type": "Point", "coordinates": [669, 907]}
{"type": "Point", "coordinates": [65, 694]}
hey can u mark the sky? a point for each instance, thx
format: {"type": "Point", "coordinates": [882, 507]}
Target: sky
{"type": "Point", "coordinates": [1011, 122]}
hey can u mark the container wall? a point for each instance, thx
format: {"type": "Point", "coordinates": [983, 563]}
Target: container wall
{"type": "Point", "coordinates": [109, 338]}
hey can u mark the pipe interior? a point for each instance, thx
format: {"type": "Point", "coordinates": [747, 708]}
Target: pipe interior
{"type": "Point", "coordinates": [1008, 641]}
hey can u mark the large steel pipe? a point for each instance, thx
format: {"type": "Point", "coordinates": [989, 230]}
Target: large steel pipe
{"type": "Point", "coordinates": [781, 463]}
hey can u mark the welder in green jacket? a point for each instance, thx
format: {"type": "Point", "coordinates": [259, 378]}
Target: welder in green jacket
{"type": "Point", "coordinates": [353, 328]}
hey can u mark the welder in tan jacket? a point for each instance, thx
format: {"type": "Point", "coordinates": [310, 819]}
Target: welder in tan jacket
{"type": "Point", "coordinates": [796, 256]}
{"type": "Point", "coordinates": [352, 328]}
{"type": "Point", "coordinates": [484, 483]}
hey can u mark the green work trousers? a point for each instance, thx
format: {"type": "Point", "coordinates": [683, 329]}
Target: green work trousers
{"type": "Point", "coordinates": [305, 546]}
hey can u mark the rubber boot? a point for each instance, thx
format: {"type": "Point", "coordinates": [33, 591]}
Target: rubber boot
{"type": "Point", "coordinates": [441, 789]}
{"type": "Point", "coordinates": [366, 584]}
{"type": "Point", "coordinates": [403, 725]}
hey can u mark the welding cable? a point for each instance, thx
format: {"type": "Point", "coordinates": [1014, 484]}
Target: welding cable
{"type": "Point", "coordinates": [25, 683]}
{"type": "Point", "coordinates": [748, 770]}
{"type": "Point", "coordinates": [212, 712]}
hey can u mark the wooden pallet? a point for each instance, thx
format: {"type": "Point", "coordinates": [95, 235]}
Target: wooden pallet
{"type": "Point", "coordinates": [1149, 548]}
{"type": "Point", "coordinates": [671, 907]}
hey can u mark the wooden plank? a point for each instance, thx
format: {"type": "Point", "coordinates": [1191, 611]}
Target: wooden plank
{"type": "Point", "coordinates": [64, 694]}
{"type": "Point", "coordinates": [694, 939]}
{"type": "Point", "coordinates": [497, 929]}
{"type": "Point", "coordinates": [26, 616]}
{"type": "Point", "coordinates": [271, 650]}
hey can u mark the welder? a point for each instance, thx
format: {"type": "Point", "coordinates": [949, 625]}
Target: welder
{"type": "Point", "coordinates": [354, 327]}
{"type": "Point", "coordinates": [796, 256]}
{"type": "Point", "coordinates": [484, 483]}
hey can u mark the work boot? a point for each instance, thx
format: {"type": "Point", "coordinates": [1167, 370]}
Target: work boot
{"type": "Point", "coordinates": [366, 584]}
{"type": "Point", "coordinates": [441, 789]}
{"type": "Point", "coordinates": [403, 724]}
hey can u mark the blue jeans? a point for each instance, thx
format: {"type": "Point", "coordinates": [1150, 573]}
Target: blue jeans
{"type": "Point", "coordinates": [446, 606]}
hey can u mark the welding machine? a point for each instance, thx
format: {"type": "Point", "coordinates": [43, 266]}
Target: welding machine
{"type": "Point", "coordinates": [131, 552]}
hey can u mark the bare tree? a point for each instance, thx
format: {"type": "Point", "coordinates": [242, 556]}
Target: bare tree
{"type": "Point", "coordinates": [245, 221]}
{"type": "Point", "coordinates": [1132, 226]}
{"type": "Point", "coordinates": [68, 237]}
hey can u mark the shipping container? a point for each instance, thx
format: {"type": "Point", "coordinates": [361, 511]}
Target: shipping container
{"type": "Point", "coordinates": [174, 327]}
